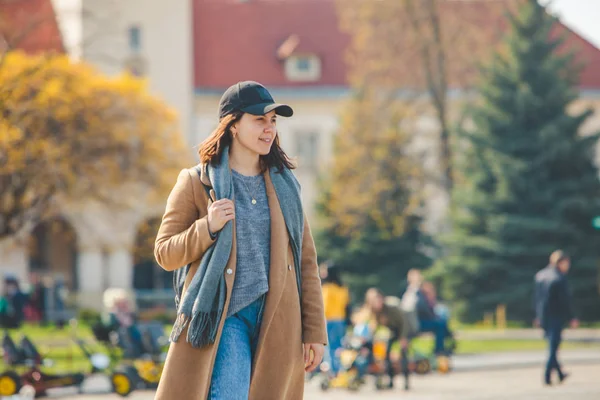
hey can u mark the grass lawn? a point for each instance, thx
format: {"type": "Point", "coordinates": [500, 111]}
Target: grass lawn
{"type": "Point", "coordinates": [490, 346]}
{"type": "Point", "coordinates": [58, 345]}
{"type": "Point", "coordinates": [60, 360]}
{"type": "Point", "coordinates": [458, 326]}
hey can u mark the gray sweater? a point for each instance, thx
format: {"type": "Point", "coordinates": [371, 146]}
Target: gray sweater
{"type": "Point", "coordinates": [253, 238]}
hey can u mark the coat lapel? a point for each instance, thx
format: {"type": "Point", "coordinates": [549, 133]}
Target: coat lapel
{"type": "Point", "coordinates": [279, 246]}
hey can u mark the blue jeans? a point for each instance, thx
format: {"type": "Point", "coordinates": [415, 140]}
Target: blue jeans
{"type": "Point", "coordinates": [233, 364]}
{"type": "Point", "coordinates": [336, 330]}
{"type": "Point", "coordinates": [439, 328]}
{"type": "Point", "coordinates": [553, 333]}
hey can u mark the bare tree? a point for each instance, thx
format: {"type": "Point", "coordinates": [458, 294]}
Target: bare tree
{"type": "Point", "coordinates": [421, 47]}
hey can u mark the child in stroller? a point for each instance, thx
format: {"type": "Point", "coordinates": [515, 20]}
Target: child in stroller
{"type": "Point", "coordinates": [367, 351]}
{"type": "Point", "coordinates": [355, 356]}
{"type": "Point", "coordinates": [120, 328]}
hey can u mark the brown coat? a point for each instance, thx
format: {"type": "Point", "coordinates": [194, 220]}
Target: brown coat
{"type": "Point", "coordinates": [279, 363]}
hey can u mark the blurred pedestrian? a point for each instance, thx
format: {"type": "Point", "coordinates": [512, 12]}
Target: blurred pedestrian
{"type": "Point", "coordinates": [36, 306]}
{"type": "Point", "coordinates": [422, 296]}
{"type": "Point", "coordinates": [553, 308]}
{"type": "Point", "coordinates": [388, 313]}
{"type": "Point", "coordinates": [12, 306]}
{"type": "Point", "coordinates": [122, 319]}
{"type": "Point", "coordinates": [60, 294]}
{"type": "Point", "coordinates": [249, 299]}
{"type": "Point", "coordinates": [336, 300]}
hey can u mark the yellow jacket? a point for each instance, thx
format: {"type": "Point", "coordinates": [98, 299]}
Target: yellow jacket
{"type": "Point", "coordinates": [336, 299]}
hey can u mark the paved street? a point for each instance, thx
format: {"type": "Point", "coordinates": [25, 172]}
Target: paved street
{"type": "Point", "coordinates": [513, 384]}
{"type": "Point", "coordinates": [522, 359]}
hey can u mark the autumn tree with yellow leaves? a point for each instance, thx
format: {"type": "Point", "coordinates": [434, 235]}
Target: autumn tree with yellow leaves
{"type": "Point", "coordinates": [370, 204]}
{"type": "Point", "coordinates": [68, 132]}
{"type": "Point", "coordinates": [404, 57]}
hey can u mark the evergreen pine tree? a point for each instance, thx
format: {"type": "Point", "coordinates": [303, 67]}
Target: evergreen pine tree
{"type": "Point", "coordinates": [526, 183]}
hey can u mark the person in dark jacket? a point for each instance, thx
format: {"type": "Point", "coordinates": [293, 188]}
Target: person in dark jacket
{"type": "Point", "coordinates": [553, 308]}
{"type": "Point", "coordinates": [37, 298]}
{"type": "Point", "coordinates": [428, 320]}
{"type": "Point", "coordinates": [13, 304]}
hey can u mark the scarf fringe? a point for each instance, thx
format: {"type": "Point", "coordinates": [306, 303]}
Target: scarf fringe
{"type": "Point", "coordinates": [201, 308]}
{"type": "Point", "coordinates": [180, 324]}
{"type": "Point", "coordinates": [203, 329]}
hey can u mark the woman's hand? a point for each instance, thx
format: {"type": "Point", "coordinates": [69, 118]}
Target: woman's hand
{"type": "Point", "coordinates": [313, 355]}
{"type": "Point", "coordinates": [219, 213]}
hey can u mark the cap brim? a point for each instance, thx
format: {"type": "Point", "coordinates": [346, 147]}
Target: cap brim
{"type": "Point", "coordinates": [261, 109]}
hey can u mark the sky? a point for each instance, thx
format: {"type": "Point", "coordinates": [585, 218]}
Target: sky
{"type": "Point", "coordinates": [582, 16]}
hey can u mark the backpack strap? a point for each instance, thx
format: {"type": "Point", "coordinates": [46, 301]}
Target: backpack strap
{"type": "Point", "coordinates": [206, 188]}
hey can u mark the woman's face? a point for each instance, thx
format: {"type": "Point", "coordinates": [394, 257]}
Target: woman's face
{"type": "Point", "coordinates": [256, 133]}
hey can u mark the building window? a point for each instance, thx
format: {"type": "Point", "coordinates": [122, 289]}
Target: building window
{"type": "Point", "coordinates": [303, 68]}
{"type": "Point", "coordinates": [135, 39]}
{"type": "Point", "coordinates": [303, 64]}
{"type": "Point", "coordinates": [307, 149]}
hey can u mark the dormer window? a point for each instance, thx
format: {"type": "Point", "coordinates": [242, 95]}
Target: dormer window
{"type": "Point", "coordinates": [303, 68]}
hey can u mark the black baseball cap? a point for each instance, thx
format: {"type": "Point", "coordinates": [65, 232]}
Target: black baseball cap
{"type": "Point", "coordinates": [252, 98]}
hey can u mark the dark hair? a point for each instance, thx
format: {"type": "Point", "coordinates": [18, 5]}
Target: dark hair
{"type": "Point", "coordinates": [211, 149]}
{"type": "Point", "coordinates": [333, 275]}
{"type": "Point", "coordinates": [12, 281]}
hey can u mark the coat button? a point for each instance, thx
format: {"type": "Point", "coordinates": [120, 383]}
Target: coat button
{"type": "Point", "coordinates": [289, 267]}
{"type": "Point", "coordinates": [229, 271]}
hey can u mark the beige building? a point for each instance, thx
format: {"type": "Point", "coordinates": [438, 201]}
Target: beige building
{"type": "Point", "coordinates": [191, 51]}
{"type": "Point", "coordinates": [89, 245]}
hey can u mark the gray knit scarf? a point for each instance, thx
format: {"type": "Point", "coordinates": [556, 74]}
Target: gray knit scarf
{"type": "Point", "coordinates": [201, 307]}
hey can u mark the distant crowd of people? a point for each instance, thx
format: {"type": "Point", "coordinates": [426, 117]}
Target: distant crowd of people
{"type": "Point", "coordinates": [32, 305]}
{"type": "Point", "coordinates": [417, 311]}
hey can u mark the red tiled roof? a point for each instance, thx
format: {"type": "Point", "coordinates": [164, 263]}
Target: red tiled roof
{"type": "Point", "coordinates": [30, 25]}
{"type": "Point", "coordinates": [586, 54]}
{"type": "Point", "coordinates": [239, 39]}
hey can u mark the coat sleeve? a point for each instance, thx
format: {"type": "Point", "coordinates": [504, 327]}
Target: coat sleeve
{"type": "Point", "coordinates": [535, 298]}
{"type": "Point", "coordinates": [314, 328]}
{"type": "Point", "coordinates": [565, 301]}
{"type": "Point", "coordinates": [183, 235]}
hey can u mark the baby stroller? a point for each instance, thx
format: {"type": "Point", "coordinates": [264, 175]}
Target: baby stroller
{"type": "Point", "coordinates": [138, 349]}
{"type": "Point", "coordinates": [364, 354]}
{"type": "Point", "coordinates": [354, 356]}
{"type": "Point", "coordinates": [139, 366]}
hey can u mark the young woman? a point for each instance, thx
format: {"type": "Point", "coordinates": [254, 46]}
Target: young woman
{"type": "Point", "coordinates": [250, 310]}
